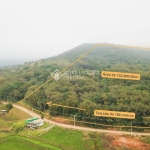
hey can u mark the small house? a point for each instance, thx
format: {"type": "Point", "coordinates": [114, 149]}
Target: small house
{"type": "Point", "coordinates": [30, 120]}
{"type": "Point", "coordinates": [35, 124]}
{"type": "Point", "coordinates": [3, 111]}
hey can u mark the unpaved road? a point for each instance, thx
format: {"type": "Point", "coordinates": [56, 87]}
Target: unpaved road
{"type": "Point", "coordinates": [33, 114]}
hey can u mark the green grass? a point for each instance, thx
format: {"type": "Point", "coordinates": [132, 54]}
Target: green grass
{"type": "Point", "coordinates": [14, 115]}
{"type": "Point", "coordinates": [24, 143]}
{"type": "Point", "coordinates": [4, 124]}
{"type": "Point", "coordinates": [68, 139]}
{"type": "Point", "coordinates": [4, 134]}
{"type": "Point", "coordinates": [147, 140]}
{"type": "Point", "coordinates": [2, 106]}
{"type": "Point", "coordinates": [13, 120]}
{"type": "Point", "coordinates": [30, 133]}
{"type": "Point", "coordinates": [44, 126]}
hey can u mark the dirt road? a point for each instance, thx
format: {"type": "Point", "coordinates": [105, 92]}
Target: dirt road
{"type": "Point", "coordinates": [33, 114]}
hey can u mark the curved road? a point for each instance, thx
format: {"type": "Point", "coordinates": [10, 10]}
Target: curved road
{"type": "Point", "coordinates": [33, 114]}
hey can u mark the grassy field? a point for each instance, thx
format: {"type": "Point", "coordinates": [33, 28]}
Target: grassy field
{"type": "Point", "coordinates": [56, 139]}
{"type": "Point", "coordinates": [13, 120]}
{"type": "Point", "coordinates": [14, 135]}
{"type": "Point", "coordinates": [14, 114]}
{"type": "Point", "coordinates": [13, 132]}
{"type": "Point", "coordinates": [68, 139]}
{"type": "Point", "coordinates": [24, 143]}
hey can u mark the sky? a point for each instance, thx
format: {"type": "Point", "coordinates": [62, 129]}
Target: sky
{"type": "Point", "coordinates": [36, 29]}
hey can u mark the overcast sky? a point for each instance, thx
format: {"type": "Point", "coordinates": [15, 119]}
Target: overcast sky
{"type": "Point", "coordinates": [34, 29]}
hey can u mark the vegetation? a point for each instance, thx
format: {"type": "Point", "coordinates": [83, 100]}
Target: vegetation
{"type": "Point", "coordinates": [12, 121]}
{"type": "Point", "coordinates": [55, 139]}
{"type": "Point", "coordinates": [13, 115]}
{"type": "Point", "coordinates": [24, 143]}
{"type": "Point", "coordinates": [82, 85]}
{"type": "Point", "coordinates": [72, 140]}
{"type": "Point", "coordinates": [9, 106]}
{"type": "Point", "coordinates": [13, 135]}
{"type": "Point", "coordinates": [42, 116]}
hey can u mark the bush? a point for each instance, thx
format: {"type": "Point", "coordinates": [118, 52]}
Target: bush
{"type": "Point", "coordinates": [9, 106]}
{"type": "Point", "coordinates": [18, 126]}
{"type": "Point", "coordinates": [42, 116]}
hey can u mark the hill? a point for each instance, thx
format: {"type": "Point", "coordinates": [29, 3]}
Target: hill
{"type": "Point", "coordinates": [82, 85]}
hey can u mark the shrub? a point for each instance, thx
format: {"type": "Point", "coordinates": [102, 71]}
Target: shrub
{"type": "Point", "coordinates": [9, 106]}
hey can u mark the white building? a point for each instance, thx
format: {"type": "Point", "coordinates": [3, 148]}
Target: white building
{"type": "Point", "coordinates": [35, 124]}
{"type": "Point", "coordinates": [4, 111]}
{"type": "Point", "coordinates": [39, 122]}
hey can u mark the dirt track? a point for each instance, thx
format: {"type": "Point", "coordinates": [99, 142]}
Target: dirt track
{"type": "Point", "coordinates": [33, 114]}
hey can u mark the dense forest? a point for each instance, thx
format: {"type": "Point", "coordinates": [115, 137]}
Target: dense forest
{"type": "Point", "coordinates": [81, 85]}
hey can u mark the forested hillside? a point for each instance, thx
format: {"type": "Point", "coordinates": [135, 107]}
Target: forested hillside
{"type": "Point", "coordinates": [82, 85]}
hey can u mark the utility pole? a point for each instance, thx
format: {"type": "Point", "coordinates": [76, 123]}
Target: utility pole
{"type": "Point", "coordinates": [131, 128]}
{"type": "Point", "coordinates": [95, 122]}
{"type": "Point", "coordinates": [7, 99]}
{"type": "Point", "coordinates": [74, 119]}
{"type": "Point", "coordinates": [29, 107]}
